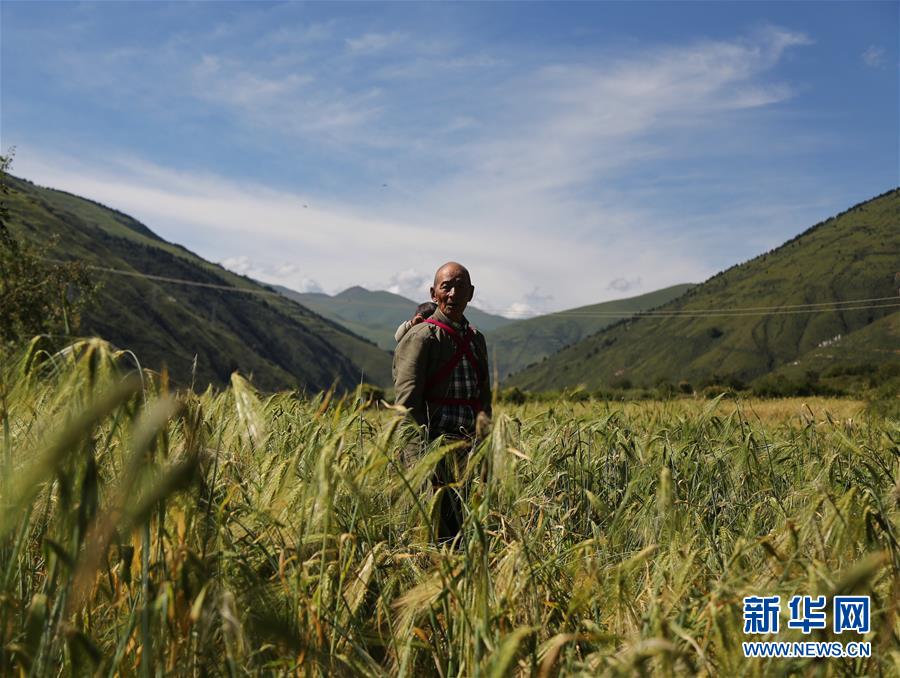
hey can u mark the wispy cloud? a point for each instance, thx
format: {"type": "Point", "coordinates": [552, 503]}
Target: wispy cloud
{"type": "Point", "coordinates": [226, 82]}
{"type": "Point", "coordinates": [567, 122]}
{"type": "Point", "coordinates": [336, 246]}
{"type": "Point", "coordinates": [516, 168]}
{"type": "Point", "coordinates": [873, 56]}
{"type": "Point", "coordinates": [374, 43]}
{"type": "Point", "coordinates": [293, 103]}
{"type": "Point", "coordinates": [289, 274]}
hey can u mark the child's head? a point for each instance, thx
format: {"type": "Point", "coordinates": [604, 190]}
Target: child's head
{"type": "Point", "coordinates": [423, 311]}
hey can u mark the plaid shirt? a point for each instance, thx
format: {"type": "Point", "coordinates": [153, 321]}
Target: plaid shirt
{"type": "Point", "coordinates": [421, 354]}
{"type": "Point", "coordinates": [463, 383]}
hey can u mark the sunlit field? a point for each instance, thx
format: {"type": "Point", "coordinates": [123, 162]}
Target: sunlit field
{"type": "Point", "coordinates": [790, 411]}
{"type": "Point", "coordinates": [145, 531]}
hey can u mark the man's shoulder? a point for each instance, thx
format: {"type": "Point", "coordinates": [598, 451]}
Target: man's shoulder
{"type": "Point", "coordinates": [478, 334]}
{"type": "Point", "coordinates": [415, 335]}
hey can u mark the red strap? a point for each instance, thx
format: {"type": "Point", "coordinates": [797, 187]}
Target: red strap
{"type": "Point", "coordinates": [463, 350]}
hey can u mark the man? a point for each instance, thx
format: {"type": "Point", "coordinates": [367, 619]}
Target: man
{"type": "Point", "coordinates": [441, 377]}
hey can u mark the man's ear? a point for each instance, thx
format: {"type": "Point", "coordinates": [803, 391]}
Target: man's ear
{"type": "Point", "coordinates": [431, 292]}
{"type": "Point", "coordinates": [471, 293]}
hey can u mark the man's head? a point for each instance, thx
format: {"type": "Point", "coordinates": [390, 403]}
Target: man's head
{"type": "Point", "coordinates": [452, 290]}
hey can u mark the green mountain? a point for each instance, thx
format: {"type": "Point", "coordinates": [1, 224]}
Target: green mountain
{"type": "Point", "coordinates": [712, 336]}
{"type": "Point", "coordinates": [518, 344]}
{"type": "Point", "coordinates": [376, 315]}
{"type": "Point", "coordinates": [867, 357]}
{"type": "Point", "coordinates": [243, 326]}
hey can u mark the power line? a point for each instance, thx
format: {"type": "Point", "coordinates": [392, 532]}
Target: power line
{"type": "Point", "coordinates": [712, 312]}
{"type": "Point", "coordinates": [744, 308]}
{"type": "Point", "coordinates": [774, 311]}
{"type": "Point", "coordinates": [734, 312]}
{"type": "Point", "coordinates": [177, 281]}
{"type": "Point", "coordinates": [854, 305]}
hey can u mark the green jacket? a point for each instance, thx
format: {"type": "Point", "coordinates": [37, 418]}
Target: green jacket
{"type": "Point", "coordinates": [423, 350]}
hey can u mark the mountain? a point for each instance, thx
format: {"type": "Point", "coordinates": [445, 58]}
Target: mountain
{"type": "Point", "coordinates": [518, 344]}
{"type": "Point", "coordinates": [712, 336]}
{"type": "Point", "coordinates": [376, 315]}
{"type": "Point", "coordinates": [867, 357]}
{"type": "Point", "coordinates": [242, 325]}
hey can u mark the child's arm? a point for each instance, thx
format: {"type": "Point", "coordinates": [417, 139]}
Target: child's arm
{"type": "Point", "coordinates": [402, 329]}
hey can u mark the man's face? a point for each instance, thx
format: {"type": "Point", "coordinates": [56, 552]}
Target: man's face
{"type": "Point", "coordinates": [452, 291]}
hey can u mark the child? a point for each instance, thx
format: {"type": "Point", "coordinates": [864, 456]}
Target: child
{"type": "Point", "coordinates": [423, 311]}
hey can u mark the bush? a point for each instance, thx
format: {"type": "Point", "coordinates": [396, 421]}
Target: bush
{"type": "Point", "coordinates": [513, 396]}
{"type": "Point", "coordinates": [37, 296]}
{"type": "Point", "coordinates": [724, 382]}
{"type": "Point", "coordinates": [776, 386]}
{"type": "Point", "coordinates": [665, 389]}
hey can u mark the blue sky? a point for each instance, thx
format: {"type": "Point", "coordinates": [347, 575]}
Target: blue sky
{"type": "Point", "coordinates": [568, 153]}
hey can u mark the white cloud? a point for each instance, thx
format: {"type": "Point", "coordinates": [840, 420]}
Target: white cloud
{"type": "Point", "coordinates": [528, 306]}
{"type": "Point", "coordinates": [287, 274]}
{"type": "Point", "coordinates": [410, 283]}
{"type": "Point", "coordinates": [257, 231]}
{"type": "Point", "coordinates": [239, 264]}
{"type": "Point", "coordinates": [223, 81]}
{"type": "Point", "coordinates": [505, 196]}
{"type": "Point", "coordinates": [373, 43]}
{"type": "Point", "coordinates": [519, 311]}
{"type": "Point", "coordinates": [571, 121]}
{"type": "Point", "coordinates": [305, 285]}
{"type": "Point", "coordinates": [873, 56]}
{"type": "Point", "coordinates": [298, 104]}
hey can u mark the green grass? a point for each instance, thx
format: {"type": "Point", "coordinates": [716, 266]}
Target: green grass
{"type": "Point", "coordinates": [146, 531]}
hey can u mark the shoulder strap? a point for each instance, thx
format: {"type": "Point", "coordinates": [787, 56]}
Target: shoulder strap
{"type": "Point", "coordinates": [463, 350]}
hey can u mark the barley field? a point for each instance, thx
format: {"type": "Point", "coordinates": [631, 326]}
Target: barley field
{"type": "Point", "coordinates": [150, 531]}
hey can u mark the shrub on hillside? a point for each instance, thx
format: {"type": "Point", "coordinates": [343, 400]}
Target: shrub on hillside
{"type": "Point", "coordinates": [37, 295]}
{"type": "Point", "coordinates": [772, 386]}
{"type": "Point", "coordinates": [513, 396]}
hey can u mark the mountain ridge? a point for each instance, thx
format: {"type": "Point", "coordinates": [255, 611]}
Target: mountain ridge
{"type": "Point", "coordinates": [280, 343]}
{"type": "Point", "coordinates": [852, 255]}
{"type": "Point", "coordinates": [375, 314]}
{"type": "Point", "coordinates": [525, 342]}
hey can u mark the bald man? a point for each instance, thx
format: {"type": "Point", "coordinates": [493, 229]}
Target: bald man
{"type": "Point", "coordinates": [441, 377]}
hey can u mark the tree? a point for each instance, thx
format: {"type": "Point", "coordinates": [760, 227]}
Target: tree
{"type": "Point", "coordinates": [37, 294]}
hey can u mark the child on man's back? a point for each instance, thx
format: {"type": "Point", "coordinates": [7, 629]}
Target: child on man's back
{"type": "Point", "coordinates": [423, 312]}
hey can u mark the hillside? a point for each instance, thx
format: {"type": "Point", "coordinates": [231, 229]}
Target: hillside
{"type": "Point", "coordinates": [280, 343]}
{"type": "Point", "coordinates": [516, 345]}
{"type": "Point", "coordinates": [375, 315]}
{"type": "Point", "coordinates": [868, 357]}
{"type": "Point", "coordinates": [851, 256]}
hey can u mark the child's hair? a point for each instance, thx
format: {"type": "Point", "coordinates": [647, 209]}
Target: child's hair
{"type": "Point", "coordinates": [425, 310]}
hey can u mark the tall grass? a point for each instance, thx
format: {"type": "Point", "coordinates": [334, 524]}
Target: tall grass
{"type": "Point", "coordinates": [150, 532]}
